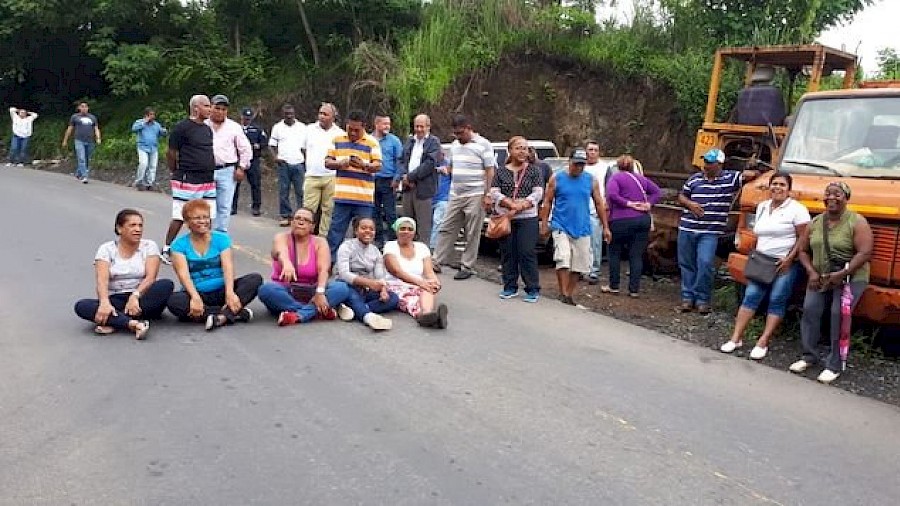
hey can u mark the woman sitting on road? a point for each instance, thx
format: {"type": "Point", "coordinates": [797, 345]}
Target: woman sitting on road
{"type": "Point", "coordinates": [301, 264]}
{"type": "Point", "coordinates": [630, 197]}
{"type": "Point", "coordinates": [203, 262]}
{"type": "Point", "coordinates": [128, 293]}
{"type": "Point", "coordinates": [780, 221]}
{"type": "Point", "coordinates": [835, 249]}
{"type": "Point", "coordinates": [517, 189]}
{"type": "Point", "coordinates": [361, 265]}
{"type": "Point", "coordinates": [411, 276]}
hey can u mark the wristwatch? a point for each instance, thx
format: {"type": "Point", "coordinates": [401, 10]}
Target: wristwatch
{"type": "Point", "coordinates": [320, 289]}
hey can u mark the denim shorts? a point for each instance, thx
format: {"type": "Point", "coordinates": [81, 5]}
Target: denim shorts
{"type": "Point", "coordinates": [779, 292]}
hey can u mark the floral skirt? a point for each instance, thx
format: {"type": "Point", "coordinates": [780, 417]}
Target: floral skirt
{"type": "Point", "coordinates": [410, 297]}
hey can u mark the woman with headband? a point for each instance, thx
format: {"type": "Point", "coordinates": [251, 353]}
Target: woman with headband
{"type": "Point", "coordinates": [411, 276]}
{"type": "Point", "coordinates": [834, 250]}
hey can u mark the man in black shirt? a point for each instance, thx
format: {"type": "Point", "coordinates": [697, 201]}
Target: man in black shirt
{"type": "Point", "coordinates": [192, 164]}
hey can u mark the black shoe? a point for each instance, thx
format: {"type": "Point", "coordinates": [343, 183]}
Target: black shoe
{"type": "Point", "coordinates": [565, 299]}
{"type": "Point", "coordinates": [255, 212]}
{"type": "Point", "coordinates": [593, 280]}
{"type": "Point", "coordinates": [462, 274]}
{"type": "Point", "coordinates": [436, 267]}
{"type": "Point", "coordinates": [244, 315]}
{"type": "Point", "coordinates": [427, 319]}
{"type": "Point", "coordinates": [442, 316]}
{"type": "Point", "coordinates": [233, 212]}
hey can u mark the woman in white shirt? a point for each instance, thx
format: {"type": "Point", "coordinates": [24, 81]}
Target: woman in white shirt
{"type": "Point", "coordinates": [128, 293]}
{"type": "Point", "coordinates": [780, 221]}
{"type": "Point", "coordinates": [411, 276]}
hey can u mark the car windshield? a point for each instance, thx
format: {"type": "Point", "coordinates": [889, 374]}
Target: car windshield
{"type": "Point", "coordinates": [852, 137]}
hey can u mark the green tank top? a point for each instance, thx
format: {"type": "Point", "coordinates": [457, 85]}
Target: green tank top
{"type": "Point", "coordinates": [840, 239]}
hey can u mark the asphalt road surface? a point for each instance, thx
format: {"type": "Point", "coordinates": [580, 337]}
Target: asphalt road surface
{"type": "Point", "coordinates": [513, 404]}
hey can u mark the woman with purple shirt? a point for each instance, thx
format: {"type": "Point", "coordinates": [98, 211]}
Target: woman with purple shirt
{"type": "Point", "coordinates": [630, 197]}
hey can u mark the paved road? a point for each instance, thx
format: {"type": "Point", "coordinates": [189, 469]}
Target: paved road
{"type": "Point", "coordinates": [514, 404]}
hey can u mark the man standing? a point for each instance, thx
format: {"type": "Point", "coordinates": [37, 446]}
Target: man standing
{"type": "Point", "coordinates": [148, 132]}
{"type": "Point", "coordinates": [420, 179]}
{"type": "Point", "coordinates": [287, 141]}
{"type": "Point", "coordinates": [192, 164]}
{"type": "Point", "coordinates": [22, 122]}
{"type": "Point", "coordinates": [258, 139]}
{"type": "Point", "coordinates": [356, 156]}
{"type": "Point", "coordinates": [598, 170]}
{"type": "Point", "coordinates": [441, 196]}
{"type": "Point", "coordinates": [87, 131]}
{"type": "Point", "coordinates": [472, 166]}
{"type": "Point", "coordinates": [318, 187]}
{"type": "Point", "coordinates": [707, 197]}
{"type": "Point", "coordinates": [386, 180]}
{"type": "Point", "coordinates": [232, 152]}
{"type": "Point", "coordinates": [569, 197]}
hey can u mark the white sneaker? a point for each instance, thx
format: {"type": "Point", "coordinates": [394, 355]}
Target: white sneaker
{"type": "Point", "coordinates": [799, 366]}
{"type": "Point", "coordinates": [759, 352]}
{"type": "Point", "coordinates": [730, 346]}
{"type": "Point", "coordinates": [345, 313]}
{"type": "Point", "coordinates": [378, 322]}
{"type": "Point", "coordinates": [827, 376]}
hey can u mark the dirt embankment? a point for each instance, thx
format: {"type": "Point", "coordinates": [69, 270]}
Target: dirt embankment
{"type": "Point", "coordinates": [558, 99]}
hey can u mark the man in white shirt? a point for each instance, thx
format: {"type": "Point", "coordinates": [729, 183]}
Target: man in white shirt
{"type": "Point", "coordinates": [21, 132]}
{"type": "Point", "coordinates": [288, 139]}
{"type": "Point", "coordinates": [318, 187]}
{"type": "Point", "coordinates": [598, 169]}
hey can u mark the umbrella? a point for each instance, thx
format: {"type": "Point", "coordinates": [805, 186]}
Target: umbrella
{"type": "Point", "coordinates": [846, 311]}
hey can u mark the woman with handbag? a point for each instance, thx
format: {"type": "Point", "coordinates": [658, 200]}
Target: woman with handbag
{"type": "Point", "coordinates": [771, 270]}
{"type": "Point", "coordinates": [301, 263]}
{"type": "Point", "coordinates": [834, 250]}
{"type": "Point", "coordinates": [128, 293]}
{"type": "Point", "coordinates": [517, 189]}
{"type": "Point", "coordinates": [411, 276]}
{"type": "Point", "coordinates": [631, 197]}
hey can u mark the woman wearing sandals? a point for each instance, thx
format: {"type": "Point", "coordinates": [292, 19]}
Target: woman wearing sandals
{"type": "Point", "coordinates": [203, 262]}
{"type": "Point", "coordinates": [128, 293]}
{"type": "Point", "coordinates": [630, 198]}
{"type": "Point", "coordinates": [780, 222]}
{"type": "Point", "coordinates": [411, 276]}
{"type": "Point", "coordinates": [301, 265]}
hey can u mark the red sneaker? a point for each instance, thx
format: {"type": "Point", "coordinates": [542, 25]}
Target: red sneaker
{"type": "Point", "coordinates": [288, 318]}
{"type": "Point", "coordinates": [331, 314]}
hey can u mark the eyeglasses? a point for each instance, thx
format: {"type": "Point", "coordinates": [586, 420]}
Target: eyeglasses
{"type": "Point", "coordinates": [301, 219]}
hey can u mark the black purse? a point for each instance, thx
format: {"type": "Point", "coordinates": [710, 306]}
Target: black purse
{"type": "Point", "coordinates": [761, 268]}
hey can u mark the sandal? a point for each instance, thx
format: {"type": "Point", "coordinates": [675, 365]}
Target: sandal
{"type": "Point", "coordinates": [140, 329]}
{"type": "Point", "coordinates": [103, 330]}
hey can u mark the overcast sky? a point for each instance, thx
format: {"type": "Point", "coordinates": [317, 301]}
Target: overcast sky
{"type": "Point", "coordinates": [872, 29]}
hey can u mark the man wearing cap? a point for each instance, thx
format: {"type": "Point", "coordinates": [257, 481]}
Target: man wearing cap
{"type": "Point", "coordinates": [707, 197]}
{"type": "Point", "coordinates": [287, 141]}
{"type": "Point", "coordinates": [232, 152]}
{"type": "Point", "coordinates": [568, 198]}
{"type": "Point", "coordinates": [258, 139]}
{"type": "Point", "coordinates": [148, 132]}
{"type": "Point", "coordinates": [192, 166]}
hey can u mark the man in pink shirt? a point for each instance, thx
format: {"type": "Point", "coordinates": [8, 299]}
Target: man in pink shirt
{"type": "Point", "coordinates": [233, 152]}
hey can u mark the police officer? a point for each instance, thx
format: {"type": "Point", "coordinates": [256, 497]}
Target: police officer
{"type": "Point", "coordinates": [258, 139]}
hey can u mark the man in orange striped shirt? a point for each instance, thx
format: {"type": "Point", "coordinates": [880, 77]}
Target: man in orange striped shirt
{"type": "Point", "coordinates": [356, 156]}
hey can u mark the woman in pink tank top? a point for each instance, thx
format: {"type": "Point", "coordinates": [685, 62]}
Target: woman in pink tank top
{"type": "Point", "coordinates": [301, 263]}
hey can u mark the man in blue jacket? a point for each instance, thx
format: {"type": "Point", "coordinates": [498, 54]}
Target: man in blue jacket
{"type": "Point", "coordinates": [258, 140]}
{"type": "Point", "coordinates": [419, 179]}
{"type": "Point", "coordinates": [148, 132]}
{"type": "Point", "coordinates": [386, 180]}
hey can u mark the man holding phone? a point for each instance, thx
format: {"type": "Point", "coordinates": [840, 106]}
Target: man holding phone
{"type": "Point", "coordinates": [356, 157]}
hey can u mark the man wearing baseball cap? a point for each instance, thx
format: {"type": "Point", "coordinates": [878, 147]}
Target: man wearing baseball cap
{"type": "Point", "coordinates": [707, 197]}
{"type": "Point", "coordinates": [258, 140]}
{"type": "Point", "coordinates": [569, 195]}
{"type": "Point", "coordinates": [232, 152]}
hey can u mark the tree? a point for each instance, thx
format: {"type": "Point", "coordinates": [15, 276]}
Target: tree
{"type": "Point", "coordinates": [888, 63]}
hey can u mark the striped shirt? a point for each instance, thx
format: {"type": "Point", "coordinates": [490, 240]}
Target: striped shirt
{"type": "Point", "coordinates": [715, 198]}
{"type": "Point", "coordinates": [468, 162]}
{"type": "Point", "coordinates": [352, 185]}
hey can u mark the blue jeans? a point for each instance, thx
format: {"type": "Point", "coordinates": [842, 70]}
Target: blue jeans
{"type": "Point", "coordinates": [277, 298]}
{"type": "Point", "coordinates": [146, 169]}
{"type": "Point", "coordinates": [439, 210]}
{"type": "Point", "coordinates": [367, 302]}
{"type": "Point", "coordinates": [224, 196]}
{"type": "Point", "coordinates": [18, 149]}
{"type": "Point", "coordinates": [341, 217]}
{"type": "Point", "coordinates": [628, 234]}
{"type": "Point", "coordinates": [779, 292]}
{"type": "Point", "coordinates": [385, 210]}
{"type": "Point", "coordinates": [83, 152]}
{"type": "Point", "coordinates": [596, 246]}
{"type": "Point", "coordinates": [696, 257]}
{"type": "Point", "coordinates": [290, 174]}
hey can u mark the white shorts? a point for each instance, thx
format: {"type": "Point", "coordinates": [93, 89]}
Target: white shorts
{"type": "Point", "coordinates": [571, 253]}
{"type": "Point", "coordinates": [177, 205]}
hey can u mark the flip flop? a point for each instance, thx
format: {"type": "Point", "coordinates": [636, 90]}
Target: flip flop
{"type": "Point", "coordinates": [140, 330]}
{"type": "Point", "coordinates": [103, 330]}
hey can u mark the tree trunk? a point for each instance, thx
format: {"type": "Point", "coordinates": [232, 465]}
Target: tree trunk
{"type": "Point", "coordinates": [309, 33]}
{"type": "Point", "coordinates": [237, 38]}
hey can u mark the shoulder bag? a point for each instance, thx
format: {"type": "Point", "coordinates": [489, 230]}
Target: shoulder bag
{"type": "Point", "coordinates": [301, 292]}
{"type": "Point", "coordinates": [644, 193]}
{"type": "Point", "coordinates": [760, 267]}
